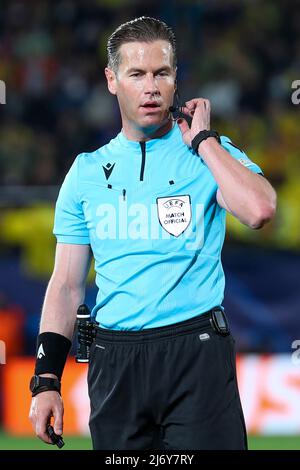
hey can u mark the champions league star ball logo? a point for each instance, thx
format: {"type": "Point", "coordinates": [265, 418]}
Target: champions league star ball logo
{"type": "Point", "coordinates": [174, 213]}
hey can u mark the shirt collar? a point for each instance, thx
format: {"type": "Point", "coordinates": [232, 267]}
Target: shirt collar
{"type": "Point", "coordinates": [153, 143]}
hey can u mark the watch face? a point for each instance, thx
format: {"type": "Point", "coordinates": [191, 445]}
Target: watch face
{"type": "Point", "coordinates": [34, 382]}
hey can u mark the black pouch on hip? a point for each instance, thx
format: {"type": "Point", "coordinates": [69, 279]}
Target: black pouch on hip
{"type": "Point", "coordinates": [219, 321]}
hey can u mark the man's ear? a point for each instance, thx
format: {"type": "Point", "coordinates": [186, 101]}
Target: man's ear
{"type": "Point", "coordinates": [111, 80]}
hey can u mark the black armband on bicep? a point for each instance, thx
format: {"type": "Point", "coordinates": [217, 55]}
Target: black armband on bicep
{"type": "Point", "coordinates": [52, 353]}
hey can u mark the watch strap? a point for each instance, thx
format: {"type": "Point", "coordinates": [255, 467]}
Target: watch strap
{"type": "Point", "coordinates": [40, 384]}
{"type": "Point", "coordinates": [202, 135]}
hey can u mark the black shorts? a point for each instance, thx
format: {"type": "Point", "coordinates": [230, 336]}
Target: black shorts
{"type": "Point", "coordinates": [164, 388]}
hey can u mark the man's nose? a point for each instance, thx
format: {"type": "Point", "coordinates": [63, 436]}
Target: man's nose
{"type": "Point", "coordinates": [151, 84]}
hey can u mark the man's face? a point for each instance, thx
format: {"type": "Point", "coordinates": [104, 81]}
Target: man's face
{"type": "Point", "coordinates": [144, 83]}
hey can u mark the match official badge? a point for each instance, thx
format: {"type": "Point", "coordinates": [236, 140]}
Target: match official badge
{"type": "Point", "coordinates": [174, 213]}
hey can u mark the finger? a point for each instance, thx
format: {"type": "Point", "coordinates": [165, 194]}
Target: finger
{"type": "Point", "coordinates": [39, 422]}
{"type": "Point", "coordinates": [184, 128]}
{"type": "Point", "coordinates": [194, 103]}
{"type": "Point", "coordinates": [202, 114]}
{"type": "Point", "coordinates": [187, 111]}
{"type": "Point", "coordinates": [58, 420]}
{"type": "Point", "coordinates": [191, 104]}
{"type": "Point", "coordinates": [41, 429]}
{"type": "Point", "coordinates": [206, 104]}
{"type": "Point", "coordinates": [183, 125]}
{"type": "Point", "coordinates": [201, 109]}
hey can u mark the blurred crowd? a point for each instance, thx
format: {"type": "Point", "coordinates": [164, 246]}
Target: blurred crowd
{"type": "Point", "coordinates": [243, 55]}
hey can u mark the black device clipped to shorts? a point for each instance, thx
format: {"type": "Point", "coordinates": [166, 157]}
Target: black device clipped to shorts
{"type": "Point", "coordinates": [219, 321]}
{"type": "Point", "coordinates": [55, 438]}
{"type": "Point", "coordinates": [85, 333]}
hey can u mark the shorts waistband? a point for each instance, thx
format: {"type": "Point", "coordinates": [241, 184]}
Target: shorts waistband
{"type": "Point", "coordinates": [200, 322]}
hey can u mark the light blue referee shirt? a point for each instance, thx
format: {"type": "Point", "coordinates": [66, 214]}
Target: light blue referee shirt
{"type": "Point", "coordinates": [149, 212]}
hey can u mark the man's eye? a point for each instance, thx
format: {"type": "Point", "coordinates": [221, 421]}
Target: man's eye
{"type": "Point", "coordinates": [136, 74]}
{"type": "Point", "coordinates": [163, 74]}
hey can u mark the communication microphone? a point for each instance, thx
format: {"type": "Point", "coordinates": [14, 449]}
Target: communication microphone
{"type": "Point", "coordinates": [177, 112]}
{"type": "Point", "coordinates": [177, 109]}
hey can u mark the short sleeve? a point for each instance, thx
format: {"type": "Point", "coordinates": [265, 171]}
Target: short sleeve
{"type": "Point", "coordinates": [239, 155]}
{"type": "Point", "coordinates": [69, 222]}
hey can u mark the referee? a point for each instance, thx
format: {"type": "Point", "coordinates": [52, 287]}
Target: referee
{"type": "Point", "coordinates": [150, 207]}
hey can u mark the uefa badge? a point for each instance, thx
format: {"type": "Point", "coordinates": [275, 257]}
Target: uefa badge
{"type": "Point", "coordinates": [174, 213]}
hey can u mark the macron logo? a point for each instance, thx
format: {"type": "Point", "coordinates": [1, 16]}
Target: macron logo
{"type": "Point", "coordinates": [41, 352]}
{"type": "Point", "coordinates": [108, 169]}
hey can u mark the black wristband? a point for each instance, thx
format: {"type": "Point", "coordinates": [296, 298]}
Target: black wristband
{"type": "Point", "coordinates": [43, 384]}
{"type": "Point", "coordinates": [202, 135]}
{"type": "Point", "coordinates": [52, 352]}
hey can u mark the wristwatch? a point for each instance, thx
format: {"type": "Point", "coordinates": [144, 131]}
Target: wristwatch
{"type": "Point", "coordinates": [202, 135]}
{"type": "Point", "coordinates": [40, 384]}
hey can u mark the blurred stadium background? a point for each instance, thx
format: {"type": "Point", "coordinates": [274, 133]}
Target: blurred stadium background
{"type": "Point", "coordinates": [241, 54]}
